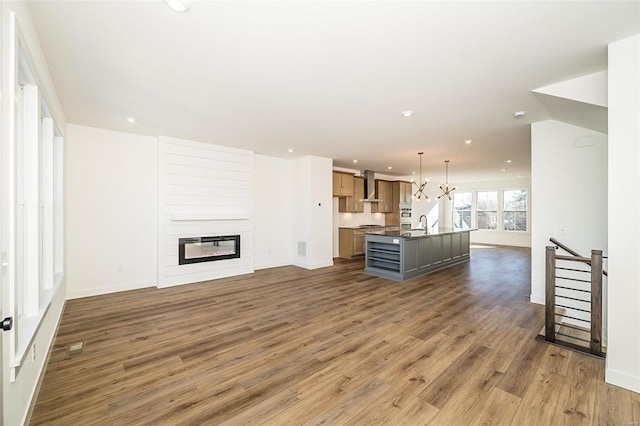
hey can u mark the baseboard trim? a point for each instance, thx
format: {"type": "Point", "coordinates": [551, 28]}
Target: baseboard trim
{"type": "Point", "coordinates": [534, 298]}
{"type": "Point", "coordinates": [313, 265]}
{"type": "Point", "coordinates": [622, 380]}
{"type": "Point", "coordinates": [107, 290]}
{"type": "Point", "coordinates": [272, 265]}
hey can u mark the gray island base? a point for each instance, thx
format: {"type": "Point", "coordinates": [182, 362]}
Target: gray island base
{"type": "Point", "coordinates": [402, 255]}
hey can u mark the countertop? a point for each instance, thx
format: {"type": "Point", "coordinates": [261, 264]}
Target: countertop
{"type": "Point", "coordinates": [423, 234]}
{"type": "Point", "coordinates": [379, 227]}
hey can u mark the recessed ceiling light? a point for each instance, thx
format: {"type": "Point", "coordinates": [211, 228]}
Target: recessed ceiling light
{"type": "Point", "coordinates": [131, 119]}
{"type": "Point", "coordinates": [474, 176]}
{"type": "Point", "coordinates": [178, 5]}
{"type": "Point", "coordinates": [503, 170]}
{"type": "Point", "coordinates": [389, 168]}
{"type": "Point", "coordinates": [519, 114]}
{"type": "Point", "coordinates": [355, 161]}
{"type": "Point", "coordinates": [407, 113]}
{"type": "Point", "coordinates": [520, 176]}
{"type": "Point", "coordinates": [413, 173]}
{"type": "Point", "coordinates": [468, 141]}
{"type": "Point", "coordinates": [290, 150]}
{"type": "Point", "coordinates": [508, 161]}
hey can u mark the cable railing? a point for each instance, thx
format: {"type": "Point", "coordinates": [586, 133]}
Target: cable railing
{"type": "Point", "coordinates": [573, 299]}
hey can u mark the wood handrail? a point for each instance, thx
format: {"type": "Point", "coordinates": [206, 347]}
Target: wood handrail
{"type": "Point", "coordinates": [574, 253]}
{"type": "Point", "coordinates": [574, 258]}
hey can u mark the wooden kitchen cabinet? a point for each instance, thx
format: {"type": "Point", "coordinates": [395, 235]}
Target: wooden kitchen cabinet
{"type": "Point", "coordinates": [405, 192]}
{"type": "Point", "coordinates": [351, 241]}
{"type": "Point", "coordinates": [401, 194]}
{"type": "Point", "coordinates": [342, 184]}
{"type": "Point", "coordinates": [353, 204]}
{"type": "Point", "coordinates": [384, 192]}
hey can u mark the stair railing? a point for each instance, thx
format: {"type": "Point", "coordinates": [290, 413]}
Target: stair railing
{"type": "Point", "coordinates": [584, 301]}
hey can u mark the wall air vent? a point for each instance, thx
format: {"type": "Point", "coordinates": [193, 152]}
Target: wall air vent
{"type": "Point", "coordinates": [302, 248]}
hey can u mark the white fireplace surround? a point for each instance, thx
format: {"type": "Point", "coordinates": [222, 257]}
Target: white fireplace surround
{"type": "Point", "coordinates": [203, 190]}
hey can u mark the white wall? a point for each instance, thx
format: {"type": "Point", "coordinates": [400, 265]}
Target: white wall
{"type": "Point", "coordinates": [312, 212]}
{"type": "Point", "coordinates": [204, 190]}
{"type": "Point", "coordinates": [569, 187]}
{"type": "Point", "coordinates": [17, 395]}
{"type": "Point", "coordinates": [111, 211]}
{"type": "Point", "coordinates": [623, 351]}
{"type": "Point", "coordinates": [570, 192]}
{"type": "Point", "coordinates": [273, 211]}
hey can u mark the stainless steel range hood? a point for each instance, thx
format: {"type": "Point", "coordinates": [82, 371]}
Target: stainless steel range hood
{"type": "Point", "coordinates": [370, 187]}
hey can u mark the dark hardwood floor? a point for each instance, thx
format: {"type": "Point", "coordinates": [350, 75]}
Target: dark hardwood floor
{"type": "Point", "coordinates": [333, 346]}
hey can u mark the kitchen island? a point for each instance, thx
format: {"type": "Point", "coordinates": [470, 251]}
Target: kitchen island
{"type": "Point", "coordinates": [402, 255]}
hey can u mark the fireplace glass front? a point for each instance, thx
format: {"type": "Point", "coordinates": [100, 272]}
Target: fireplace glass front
{"type": "Point", "coordinates": [208, 249]}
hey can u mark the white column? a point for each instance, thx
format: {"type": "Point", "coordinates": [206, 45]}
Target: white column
{"type": "Point", "coordinates": [312, 212]}
{"type": "Point", "coordinates": [623, 349]}
{"type": "Point", "coordinates": [446, 213]}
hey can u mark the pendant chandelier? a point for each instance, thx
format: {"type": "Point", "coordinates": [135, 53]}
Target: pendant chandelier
{"type": "Point", "coordinates": [446, 190]}
{"type": "Point", "coordinates": [420, 184]}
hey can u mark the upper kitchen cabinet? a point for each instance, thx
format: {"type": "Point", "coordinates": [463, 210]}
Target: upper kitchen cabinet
{"type": "Point", "coordinates": [384, 193]}
{"type": "Point", "coordinates": [353, 204]}
{"type": "Point", "coordinates": [405, 192]}
{"type": "Point", "coordinates": [342, 184]}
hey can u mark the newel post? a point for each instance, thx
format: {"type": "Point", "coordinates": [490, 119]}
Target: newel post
{"type": "Point", "coordinates": [550, 295]}
{"type": "Point", "coordinates": [596, 302]}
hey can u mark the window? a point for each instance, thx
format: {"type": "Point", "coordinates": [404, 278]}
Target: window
{"type": "Point", "coordinates": [487, 210]}
{"type": "Point", "coordinates": [515, 210]}
{"type": "Point", "coordinates": [34, 209]}
{"type": "Point", "coordinates": [462, 210]}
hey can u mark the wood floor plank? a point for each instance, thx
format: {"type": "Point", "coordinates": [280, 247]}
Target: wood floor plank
{"type": "Point", "coordinates": [288, 346]}
{"type": "Point", "coordinates": [614, 406]}
{"type": "Point", "coordinates": [577, 400]}
{"type": "Point", "coordinates": [539, 403]}
{"type": "Point", "coordinates": [499, 409]}
{"type": "Point", "coordinates": [523, 368]}
{"type": "Point", "coordinates": [416, 412]}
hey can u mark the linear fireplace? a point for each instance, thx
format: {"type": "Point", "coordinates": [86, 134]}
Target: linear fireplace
{"type": "Point", "coordinates": [208, 249]}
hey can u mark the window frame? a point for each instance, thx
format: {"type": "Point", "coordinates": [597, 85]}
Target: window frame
{"type": "Point", "coordinates": [470, 209]}
{"type": "Point", "coordinates": [34, 209]}
{"type": "Point", "coordinates": [497, 211]}
{"type": "Point", "coordinates": [525, 211]}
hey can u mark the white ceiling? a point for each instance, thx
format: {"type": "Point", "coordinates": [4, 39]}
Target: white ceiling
{"type": "Point", "coordinates": [330, 78]}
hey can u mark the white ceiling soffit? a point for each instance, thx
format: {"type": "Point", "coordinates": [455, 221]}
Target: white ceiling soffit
{"type": "Point", "coordinates": [590, 89]}
{"type": "Point", "coordinates": [330, 78]}
{"type": "Point", "coordinates": [580, 114]}
{"type": "Point", "coordinates": [580, 101]}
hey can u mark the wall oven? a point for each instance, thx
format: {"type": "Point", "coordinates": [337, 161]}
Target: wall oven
{"type": "Point", "coordinates": [405, 217]}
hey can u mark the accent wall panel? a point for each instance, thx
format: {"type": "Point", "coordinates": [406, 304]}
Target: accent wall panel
{"type": "Point", "coordinates": [205, 190]}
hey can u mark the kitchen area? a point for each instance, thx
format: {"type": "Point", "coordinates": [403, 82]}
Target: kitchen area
{"type": "Point", "coordinates": [366, 204]}
{"type": "Point", "coordinates": [373, 219]}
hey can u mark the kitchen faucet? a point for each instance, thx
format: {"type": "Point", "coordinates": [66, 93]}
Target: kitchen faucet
{"type": "Point", "coordinates": [420, 225]}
